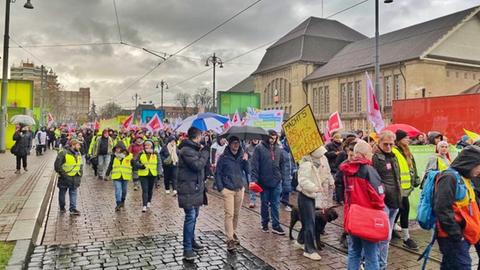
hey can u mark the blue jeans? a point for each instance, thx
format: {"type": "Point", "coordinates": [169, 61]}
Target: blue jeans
{"type": "Point", "coordinates": [72, 194]}
{"type": "Point", "coordinates": [358, 247]}
{"type": "Point", "coordinates": [191, 215]}
{"type": "Point", "coordinates": [270, 198]}
{"type": "Point", "coordinates": [253, 196]}
{"type": "Point", "coordinates": [121, 187]}
{"type": "Point", "coordinates": [455, 254]}
{"type": "Point", "coordinates": [383, 246]}
{"type": "Point", "coordinates": [103, 162]}
{"type": "Point", "coordinates": [285, 197]}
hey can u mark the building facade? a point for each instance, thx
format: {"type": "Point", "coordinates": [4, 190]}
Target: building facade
{"type": "Point", "coordinates": [76, 104]}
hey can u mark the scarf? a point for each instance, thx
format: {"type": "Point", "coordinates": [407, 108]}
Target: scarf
{"type": "Point", "coordinates": [172, 150]}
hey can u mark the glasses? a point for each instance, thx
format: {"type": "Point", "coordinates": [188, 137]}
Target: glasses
{"type": "Point", "coordinates": [388, 144]}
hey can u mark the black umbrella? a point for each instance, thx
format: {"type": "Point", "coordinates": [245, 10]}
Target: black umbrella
{"type": "Point", "coordinates": [245, 133]}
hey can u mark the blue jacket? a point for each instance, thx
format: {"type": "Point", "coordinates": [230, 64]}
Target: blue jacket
{"type": "Point", "coordinates": [268, 165]}
{"type": "Point", "coordinates": [230, 169]}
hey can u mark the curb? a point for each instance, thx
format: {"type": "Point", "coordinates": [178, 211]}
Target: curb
{"type": "Point", "coordinates": [27, 230]}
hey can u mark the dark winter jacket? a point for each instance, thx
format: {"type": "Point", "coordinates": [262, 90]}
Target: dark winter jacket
{"type": "Point", "coordinates": [444, 196]}
{"type": "Point", "coordinates": [65, 181]}
{"type": "Point", "coordinates": [230, 169]}
{"type": "Point", "coordinates": [23, 143]}
{"type": "Point", "coordinates": [190, 183]}
{"type": "Point", "coordinates": [332, 149]}
{"type": "Point", "coordinates": [387, 167]}
{"type": "Point", "coordinates": [268, 165]}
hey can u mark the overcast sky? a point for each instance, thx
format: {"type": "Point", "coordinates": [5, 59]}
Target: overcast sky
{"type": "Point", "coordinates": [169, 25]}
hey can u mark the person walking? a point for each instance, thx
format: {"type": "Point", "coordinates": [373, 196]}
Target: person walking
{"type": "Point", "coordinates": [314, 183]}
{"type": "Point", "coordinates": [121, 167]}
{"type": "Point", "coordinates": [334, 148]}
{"type": "Point", "coordinates": [268, 170]}
{"type": "Point", "coordinates": [136, 148]}
{"type": "Point", "coordinates": [456, 210]}
{"type": "Point", "coordinates": [41, 141]}
{"type": "Point", "coordinates": [386, 164]}
{"type": "Point", "coordinates": [22, 147]}
{"type": "Point", "coordinates": [191, 187]}
{"type": "Point", "coordinates": [69, 167]}
{"type": "Point", "coordinates": [231, 166]}
{"type": "Point", "coordinates": [408, 181]}
{"type": "Point", "coordinates": [169, 155]}
{"type": "Point", "coordinates": [150, 164]}
{"type": "Point", "coordinates": [440, 160]}
{"type": "Point", "coordinates": [102, 150]}
{"type": "Point", "coordinates": [364, 189]}
{"type": "Point", "coordinates": [250, 149]}
{"type": "Point", "coordinates": [290, 170]}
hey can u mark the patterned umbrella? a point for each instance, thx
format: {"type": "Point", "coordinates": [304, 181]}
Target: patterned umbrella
{"type": "Point", "coordinates": [203, 121]}
{"type": "Point", "coordinates": [22, 120]}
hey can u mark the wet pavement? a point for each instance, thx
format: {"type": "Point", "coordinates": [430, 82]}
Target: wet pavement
{"type": "Point", "coordinates": [149, 252]}
{"type": "Point", "coordinates": [103, 232]}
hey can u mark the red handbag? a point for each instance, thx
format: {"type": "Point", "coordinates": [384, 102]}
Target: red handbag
{"type": "Point", "coordinates": [367, 223]}
{"type": "Point", "coordinates": [255, 187]}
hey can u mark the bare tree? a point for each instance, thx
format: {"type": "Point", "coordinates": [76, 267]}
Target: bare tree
{"type": "Point", "coordinates": [203, 99]}
{"type": "Point", "coordinates": [110, 110]}
{"type": "Point", "coordinates": [183, 100]}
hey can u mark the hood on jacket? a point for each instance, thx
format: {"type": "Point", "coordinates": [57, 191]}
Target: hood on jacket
{"type": "Point", "coordinates": [228, 152]}
{"type": "Point", "coordinates": [432, 135]}
{"type": "Point", "coordinates": [319, 152]}
{"type": "Point", "coordinates": [352, 167]}
{"type": "Point", "coordinates": [120, 145]}
{"type": "Point", "coordinates": [467, 160]}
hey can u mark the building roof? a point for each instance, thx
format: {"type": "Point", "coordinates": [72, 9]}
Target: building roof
{"type": "Point", "coordinates": [473, 90]}
{"type": "Point", "coordinates": [401, 45]}
{"type": "Point", "coordinates": [247, 85]}
{"type": "Point", "coordinates": [314, 40]}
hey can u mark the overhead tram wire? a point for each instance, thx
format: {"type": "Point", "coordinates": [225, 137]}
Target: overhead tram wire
{"type": "Point", "coordinates": [117, 20]}
{"type": "Point", "coordinates": [191, 43]}
{"type": "Point", "coordinates": [67, 45]}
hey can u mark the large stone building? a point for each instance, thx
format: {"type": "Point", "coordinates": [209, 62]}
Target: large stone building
{"type": "Point", "coordinates": [323, 62]}
{"type": "Point", "coordinates": [76, 104]}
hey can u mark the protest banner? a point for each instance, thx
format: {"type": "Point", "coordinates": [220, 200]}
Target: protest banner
{"type": "Point", "coordinates": [302, 133]}
{"type": "Point", "coordinates": [268, 119]}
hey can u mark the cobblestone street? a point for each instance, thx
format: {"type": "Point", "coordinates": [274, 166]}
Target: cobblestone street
{"type": "Point", "coordinates": [102, 238]}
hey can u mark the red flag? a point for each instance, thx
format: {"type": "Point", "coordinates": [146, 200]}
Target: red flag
{"type": "Point", "coordinates": [227, 124]}
{"type": "Point", "coordinates": [334, 122]}
{"type": "Point", "coordinates": [373, 110]}
{"type": "Point", "coordinates": [236, 120]}
{"type": "Point", "coordinates": [155, 123]}
{"type": "Point", "coordinates": [126, 124]}
{"type": "Point", "coordinates": [97, 125]}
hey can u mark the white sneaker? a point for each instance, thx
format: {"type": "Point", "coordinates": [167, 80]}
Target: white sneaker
{"type": "Point", "coordinates": [149, 205]}
{"type": "Point", "coordinates": [397, 228]}
{"type": "Point", "coordinates": [312, 256]}
{"type": "Point", "coordinates": [299, 246]}
{"type": "Point", "coordinates": [174, 193]}
{"type": "Point", "coordinates": [144, 209]}
{"type": "Point", "coordinates": [168, 191]}
{"type": "Point", "coordinates": [288, 208]}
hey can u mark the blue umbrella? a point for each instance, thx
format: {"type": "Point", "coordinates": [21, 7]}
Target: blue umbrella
{"type": "Point", "coordinates": [203, 121]}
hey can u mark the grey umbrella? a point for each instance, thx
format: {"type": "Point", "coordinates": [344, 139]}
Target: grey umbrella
{"type": "Point", "coordinates": [245, 133]}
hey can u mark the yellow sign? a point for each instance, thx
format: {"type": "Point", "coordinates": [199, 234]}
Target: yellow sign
{"type": "Point", "coordinates": [302, 133]}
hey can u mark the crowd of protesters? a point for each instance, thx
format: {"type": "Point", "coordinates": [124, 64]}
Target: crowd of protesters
{"type": "Point", "coordinates": [377, 171]}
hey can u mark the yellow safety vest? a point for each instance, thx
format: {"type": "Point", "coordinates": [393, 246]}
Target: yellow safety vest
{"type": "Point", "coordinates": [122, 169]}
{"type": "Point", "coordinates": [441, 165]}
{"type": "Point", "coordinates": [150, 164]}
{"type": "Point", "coordinates": [72, 165]}
{"type": "Point", "coordinates": [405, 176]}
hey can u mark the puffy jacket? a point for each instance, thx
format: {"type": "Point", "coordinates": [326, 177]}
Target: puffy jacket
{"type": "Point", "coordinates": [387, 167]}
{"type": "Point", "coordinates": [190, 183]}
{"type": "Point", "coordinates": [332, 149]}
{"type": "Point", "coordinates": [230, 169]}
{"type": "Point", "coordinates": [311, 182]}
{"type": "Point", "coordinates": [65, 181]}
{"type": "Point", "coordinates": [363, 185]}
{"type": "Point", "coordinates": [23, 143]}
{"type": "Point", "coordinates": [268, 165]}
{"type": "Point", "coordinates": [444, 196]}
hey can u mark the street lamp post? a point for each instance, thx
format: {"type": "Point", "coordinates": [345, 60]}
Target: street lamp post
{"type": "Point", "coordinates": [378, 92]}
{"type": "Point", "coordinates": [214, 60]}
{"type": "Point", "coordinates": [162, 84]}
{"type": "Point", "coordinates": [6, 43]}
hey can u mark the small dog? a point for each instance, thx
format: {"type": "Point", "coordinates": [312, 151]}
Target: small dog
{"type": "Point", "coordinates": [321, 220]}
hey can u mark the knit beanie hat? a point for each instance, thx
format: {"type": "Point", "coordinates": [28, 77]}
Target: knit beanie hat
{"type": "Point", "coordinates": [400, 134]}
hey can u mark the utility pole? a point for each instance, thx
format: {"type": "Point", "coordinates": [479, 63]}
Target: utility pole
{"type": "Point", "coordinates": [136, 98]}
{"type": "Point", "coordinates": [42, 93]}
{"type": "Point", "coordinates": [162, 84]}
{"type": "Point", "coordinates": [214, 60]}
{"type": "Point", "coordinates": [378, 91]}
